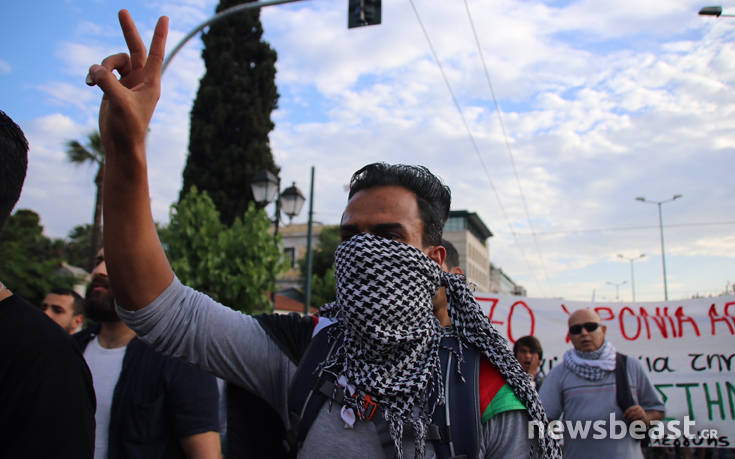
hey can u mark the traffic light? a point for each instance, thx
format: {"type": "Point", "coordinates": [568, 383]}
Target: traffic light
{"type": "Point", "coordinates": [363, 12]}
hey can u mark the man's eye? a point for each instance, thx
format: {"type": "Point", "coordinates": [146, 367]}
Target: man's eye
{"type": "Point", "coordinates": [57, 310]}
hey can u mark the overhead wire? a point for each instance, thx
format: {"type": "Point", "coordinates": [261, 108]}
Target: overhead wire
{"type": "Point", "coordinates": [507, 143]}
{"type": "Point", "coordinates": [471, 136]}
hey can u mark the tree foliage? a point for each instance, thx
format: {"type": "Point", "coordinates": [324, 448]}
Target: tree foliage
{"type": "Point", "coordinates": [230, 119]}
{"type": "Point", "coordinates": [323, 284]}
{"type": "Point", "coordinates": [92, 153]}
{"type": "Point", "coordinates": [235, 264]}
{"type": "Point", "coordinates": [78, 245]}
{"type": "Point", "coordinates": [29, 261]}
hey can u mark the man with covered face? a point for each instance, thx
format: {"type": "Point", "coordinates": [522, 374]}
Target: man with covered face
{"type": "Point", "coordinates": [148, 405]}
{"type": "Point", "coordinates": [382, 337]}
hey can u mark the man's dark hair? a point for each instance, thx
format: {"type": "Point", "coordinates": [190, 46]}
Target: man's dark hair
{"type": "Point", "coordinates": [78, 305]}
{"type": "Point", "coordinates": [432, 196]}
{"type": "Point", "coordinates": [13, 164]}
{"type": "Point", "coordinates": [452, 259]}
{"type": "Point", "coordinates": [532, 343]}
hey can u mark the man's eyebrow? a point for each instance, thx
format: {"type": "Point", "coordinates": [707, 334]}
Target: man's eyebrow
{"type": "Point", "coordinates": [387, 227]}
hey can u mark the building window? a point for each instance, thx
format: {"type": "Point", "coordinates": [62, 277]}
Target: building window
{"type": "Point", "coordinates": [289, 253]}
{"type": "Point", "coordinates": [455, 224]}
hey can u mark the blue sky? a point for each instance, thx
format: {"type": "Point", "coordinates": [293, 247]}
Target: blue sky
{"type": "Point", "coordinates": [598, 106]}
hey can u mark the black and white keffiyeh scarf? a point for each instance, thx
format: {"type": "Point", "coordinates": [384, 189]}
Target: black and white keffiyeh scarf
{"type": "Point", "coordinates": [593, 365]}
{"type": "Point", "coordinates": [391, 337]}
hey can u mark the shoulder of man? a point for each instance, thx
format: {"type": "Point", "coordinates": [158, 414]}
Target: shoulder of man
{"type": "Point", "coordinates": [46, 362]}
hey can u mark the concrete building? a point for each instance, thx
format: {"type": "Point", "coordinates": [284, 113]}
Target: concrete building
{"type": "Point", "coordinates": [500, 282]}
{"type": "Point", "coordinates": [469, 234]}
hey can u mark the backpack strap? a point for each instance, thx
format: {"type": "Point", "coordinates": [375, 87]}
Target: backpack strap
{"type": "Point", "coordinates": [305, 398]}
{"type": "Point", "coordinates": [623, 395]}
{"type": "Point", "coordinates": [455, 429]}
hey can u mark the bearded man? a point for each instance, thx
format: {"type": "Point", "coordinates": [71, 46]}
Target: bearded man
{"type": "Point", "coordinates": [382, 339]}
{"type": "Point", "coordinates": [148, 405]}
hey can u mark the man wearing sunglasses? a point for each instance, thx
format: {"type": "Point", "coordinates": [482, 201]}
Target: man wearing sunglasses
{"type": "Point", "coordinates": [583, 389]}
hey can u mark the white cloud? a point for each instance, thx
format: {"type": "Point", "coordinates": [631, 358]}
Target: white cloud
{"type": "Point", "coordinates": [598, 107]}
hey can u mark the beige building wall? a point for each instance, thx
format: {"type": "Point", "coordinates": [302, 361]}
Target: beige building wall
{"type": "Point", "coordinates": [293, 243]}
{"type": "Point", "coordinates": [473, 257]}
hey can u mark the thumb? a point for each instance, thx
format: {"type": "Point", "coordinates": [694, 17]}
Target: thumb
{"type": "Point", "coordinates": [106, 80]}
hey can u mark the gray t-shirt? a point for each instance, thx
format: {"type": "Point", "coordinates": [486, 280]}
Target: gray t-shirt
{"type": "Point", "coordinates": [578, 399]}
{"type": "Point", "coordinates": [187, 324]}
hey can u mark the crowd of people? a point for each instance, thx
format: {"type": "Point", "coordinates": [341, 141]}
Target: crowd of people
{"type": "Point", "coordinates": [403, 363]}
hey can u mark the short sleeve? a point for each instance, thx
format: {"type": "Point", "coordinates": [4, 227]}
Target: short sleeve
{"type": "Point", "coordinates": [506, 436]}
{"type": "Point", "coordinates": [192, 399]}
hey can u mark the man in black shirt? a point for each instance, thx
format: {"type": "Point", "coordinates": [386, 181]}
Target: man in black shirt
{"type": "Point", "coordinates": [47, 402]}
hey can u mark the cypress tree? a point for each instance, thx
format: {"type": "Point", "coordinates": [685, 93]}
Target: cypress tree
{"type": "Point", "coordinates": [230, 119]}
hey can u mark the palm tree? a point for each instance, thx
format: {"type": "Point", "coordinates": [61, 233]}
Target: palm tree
{"type": "Point", "coordinates": [92, 153]}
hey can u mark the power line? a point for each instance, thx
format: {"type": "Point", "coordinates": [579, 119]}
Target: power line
{"type": "Point", "coordinates": [469, 133]}
{"type": "Point", "coordinates": [505, 138]}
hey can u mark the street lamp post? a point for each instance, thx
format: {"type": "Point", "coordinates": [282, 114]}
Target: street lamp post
{"type": "Point", "coordinates": [617, 288]}
{"type": "Point", "coordinates": [632, 276]}
{"type": "Point", "coordinates": [661, 231]}
{"type": "Point", "coordinates": [266, 186]}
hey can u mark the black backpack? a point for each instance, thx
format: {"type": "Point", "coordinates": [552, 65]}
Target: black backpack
{"type": "Point", "coordinates": [455, 427]}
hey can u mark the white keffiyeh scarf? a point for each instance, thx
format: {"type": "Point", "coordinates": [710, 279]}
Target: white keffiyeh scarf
{"type": "Point", "coordinates": [391, 338]}
{"type": "Point", "coordinates": [593, 365]}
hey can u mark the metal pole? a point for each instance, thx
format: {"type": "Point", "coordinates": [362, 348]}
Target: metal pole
{"type": "Point", "coordinates": [307, 300]}
{"type": "Point", "coordinates": [663, 256]}
{"type": "Point", "coordinates": [217, 17]}
{"type": "Point", "coordinates": [277, 222]}
{"type": "Point", "coordinates": [632, 280]}
{"type": "Point", "coordinates": [278, 207]}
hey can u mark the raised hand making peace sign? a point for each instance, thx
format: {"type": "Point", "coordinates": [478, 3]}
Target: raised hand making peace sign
{"type": "Point", "coordinates": [128, 103]}
{"type": "Point", "coordinates": [137, 266]}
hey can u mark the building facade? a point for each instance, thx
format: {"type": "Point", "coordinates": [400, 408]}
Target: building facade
{"type": "Point", "coordinates": [469, 234]}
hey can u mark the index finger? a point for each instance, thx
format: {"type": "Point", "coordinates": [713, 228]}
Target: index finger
{"type": "Point", "coordinates": [132, 39]}
{"type": "Point", "coordinates": [158, 48]}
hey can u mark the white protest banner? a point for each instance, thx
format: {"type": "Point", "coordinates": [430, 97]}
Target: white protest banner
{"type": "Point", "coordinates": [687, 347]}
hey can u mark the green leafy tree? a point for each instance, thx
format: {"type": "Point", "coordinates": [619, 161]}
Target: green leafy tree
{"type": "Point", "coordinates": [30, 260]}
{"type": "Point", "coordinates": [92, 153]}
{"type": "Point", "coordinates": [78, 245]}
{"type": "Point", "coordinates": [235, 264]}
{"type": "Point", "coordinates": [230, 119]}
{"type": "Point", "coordinates": [323, 284]}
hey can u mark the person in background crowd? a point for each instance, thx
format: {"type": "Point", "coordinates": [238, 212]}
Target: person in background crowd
{"type": "Point", "coordinates": [148, 405]}
{"type": "Point", "coordinates": [47, 402]}
{"type": "Point", "coordinates": [529, 353]}
{"type": "Point", "coordinates": [65, 307]}
{"type": "Point", "coordinates": [583, 388]}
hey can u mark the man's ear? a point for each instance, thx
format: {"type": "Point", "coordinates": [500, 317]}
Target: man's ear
{"type": "Point", "coordinates": [77, 320]}
{"type": "Point", "coordinates": [436, 253]}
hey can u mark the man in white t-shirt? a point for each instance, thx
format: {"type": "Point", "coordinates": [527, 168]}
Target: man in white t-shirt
{"type": "Point", "coordinates": [148, 405]}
